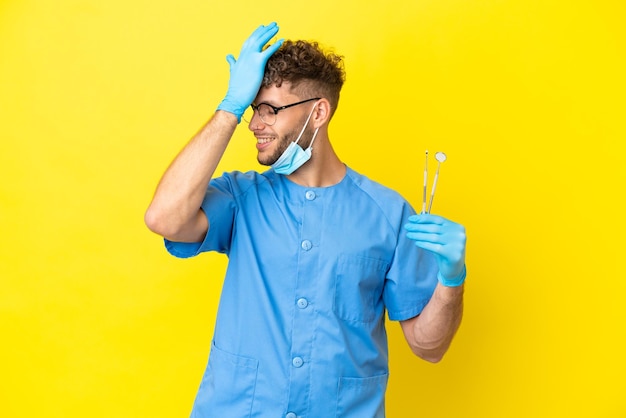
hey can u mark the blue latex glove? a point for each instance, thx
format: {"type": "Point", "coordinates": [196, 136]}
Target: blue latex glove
{"type": "Point", "coordinates": [445, 239]}
{"type": "Point", "coordinates": [246, 73]}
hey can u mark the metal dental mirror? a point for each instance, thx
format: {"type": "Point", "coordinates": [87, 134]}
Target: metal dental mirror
{"type": "Point", "coordinates": [440, 157]}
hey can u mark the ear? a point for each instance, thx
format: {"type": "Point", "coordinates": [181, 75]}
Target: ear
{"type": "Point", "coordinates": [321, 114]}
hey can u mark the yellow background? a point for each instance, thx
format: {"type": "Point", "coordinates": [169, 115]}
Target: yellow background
{"type": "Point", "coordinates": [526, 97]}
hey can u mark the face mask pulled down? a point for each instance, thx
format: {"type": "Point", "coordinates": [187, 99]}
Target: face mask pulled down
{"type": "Point", "coordinates": [294, 156]}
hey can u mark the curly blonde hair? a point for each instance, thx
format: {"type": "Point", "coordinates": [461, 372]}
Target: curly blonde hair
{"type": "Point", "coordinates": [310, 70]}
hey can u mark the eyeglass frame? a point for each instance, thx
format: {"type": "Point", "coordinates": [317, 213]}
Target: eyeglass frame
{"type": "Point", "coordinates": [279, 108]}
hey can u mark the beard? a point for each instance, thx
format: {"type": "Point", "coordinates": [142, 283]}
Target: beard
{"type": "Point", "coordinates": [284, 141]}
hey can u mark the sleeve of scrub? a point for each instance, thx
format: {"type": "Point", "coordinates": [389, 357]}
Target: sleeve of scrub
{"type": "Point", "coordinates": [219, 206]}
{"type": "Point", "coordinates": [412, 277]}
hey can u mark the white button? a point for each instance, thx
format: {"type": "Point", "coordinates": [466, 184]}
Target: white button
{"type": "Point", "coordinates": [297, 362]}
{"type": "Point", "coordinates": [306, 245]}
{"type": "Point", "coordinates": [302, 303]}
{"type": "Point", "coordinates": [310, 195]}
{"type": "Point", "coordinates": [291, 415]}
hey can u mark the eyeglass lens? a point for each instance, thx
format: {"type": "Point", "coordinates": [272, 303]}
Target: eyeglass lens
{"type": "Point", "coordinates": [265, 112]}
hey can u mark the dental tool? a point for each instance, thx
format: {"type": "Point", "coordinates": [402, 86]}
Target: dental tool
{"type": "Point", "coordinates": [425, 183]}
{"type": "Point", "coordinates": [440, 157]}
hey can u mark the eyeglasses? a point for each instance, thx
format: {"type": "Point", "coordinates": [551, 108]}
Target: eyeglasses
{"type": "Point", "coordinates": [268, 113]}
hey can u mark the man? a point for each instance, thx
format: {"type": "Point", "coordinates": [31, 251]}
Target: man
{"type": "Point", "coordinates": [317, 252]}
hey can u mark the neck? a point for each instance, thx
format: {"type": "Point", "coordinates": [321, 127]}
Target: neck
{"type": "Point", "coordinates": [324, 169]}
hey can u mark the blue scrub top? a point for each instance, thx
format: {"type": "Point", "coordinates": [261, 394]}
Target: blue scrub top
{"type": "Point", "coordinates": [300, 329]}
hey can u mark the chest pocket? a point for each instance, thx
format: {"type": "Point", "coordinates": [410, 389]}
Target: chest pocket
{"type": "Point", "coordinates": [358, 288]}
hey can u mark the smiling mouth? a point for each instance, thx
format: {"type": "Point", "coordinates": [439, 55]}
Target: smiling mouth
{"type": "Point", "coordinates": [264, 142]}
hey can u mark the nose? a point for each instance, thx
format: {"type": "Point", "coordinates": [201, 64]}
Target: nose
{"type": "Point", "coordinates": [255, 123]}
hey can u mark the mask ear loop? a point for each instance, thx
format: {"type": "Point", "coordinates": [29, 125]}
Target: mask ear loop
{"type": "Point", "coordinates": [313, 139]}
{"type": "Point", "coordinates": [306, 124]}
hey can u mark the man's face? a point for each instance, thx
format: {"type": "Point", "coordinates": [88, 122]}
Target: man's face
{"type": "Point", "coordinates": [273, 140]}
